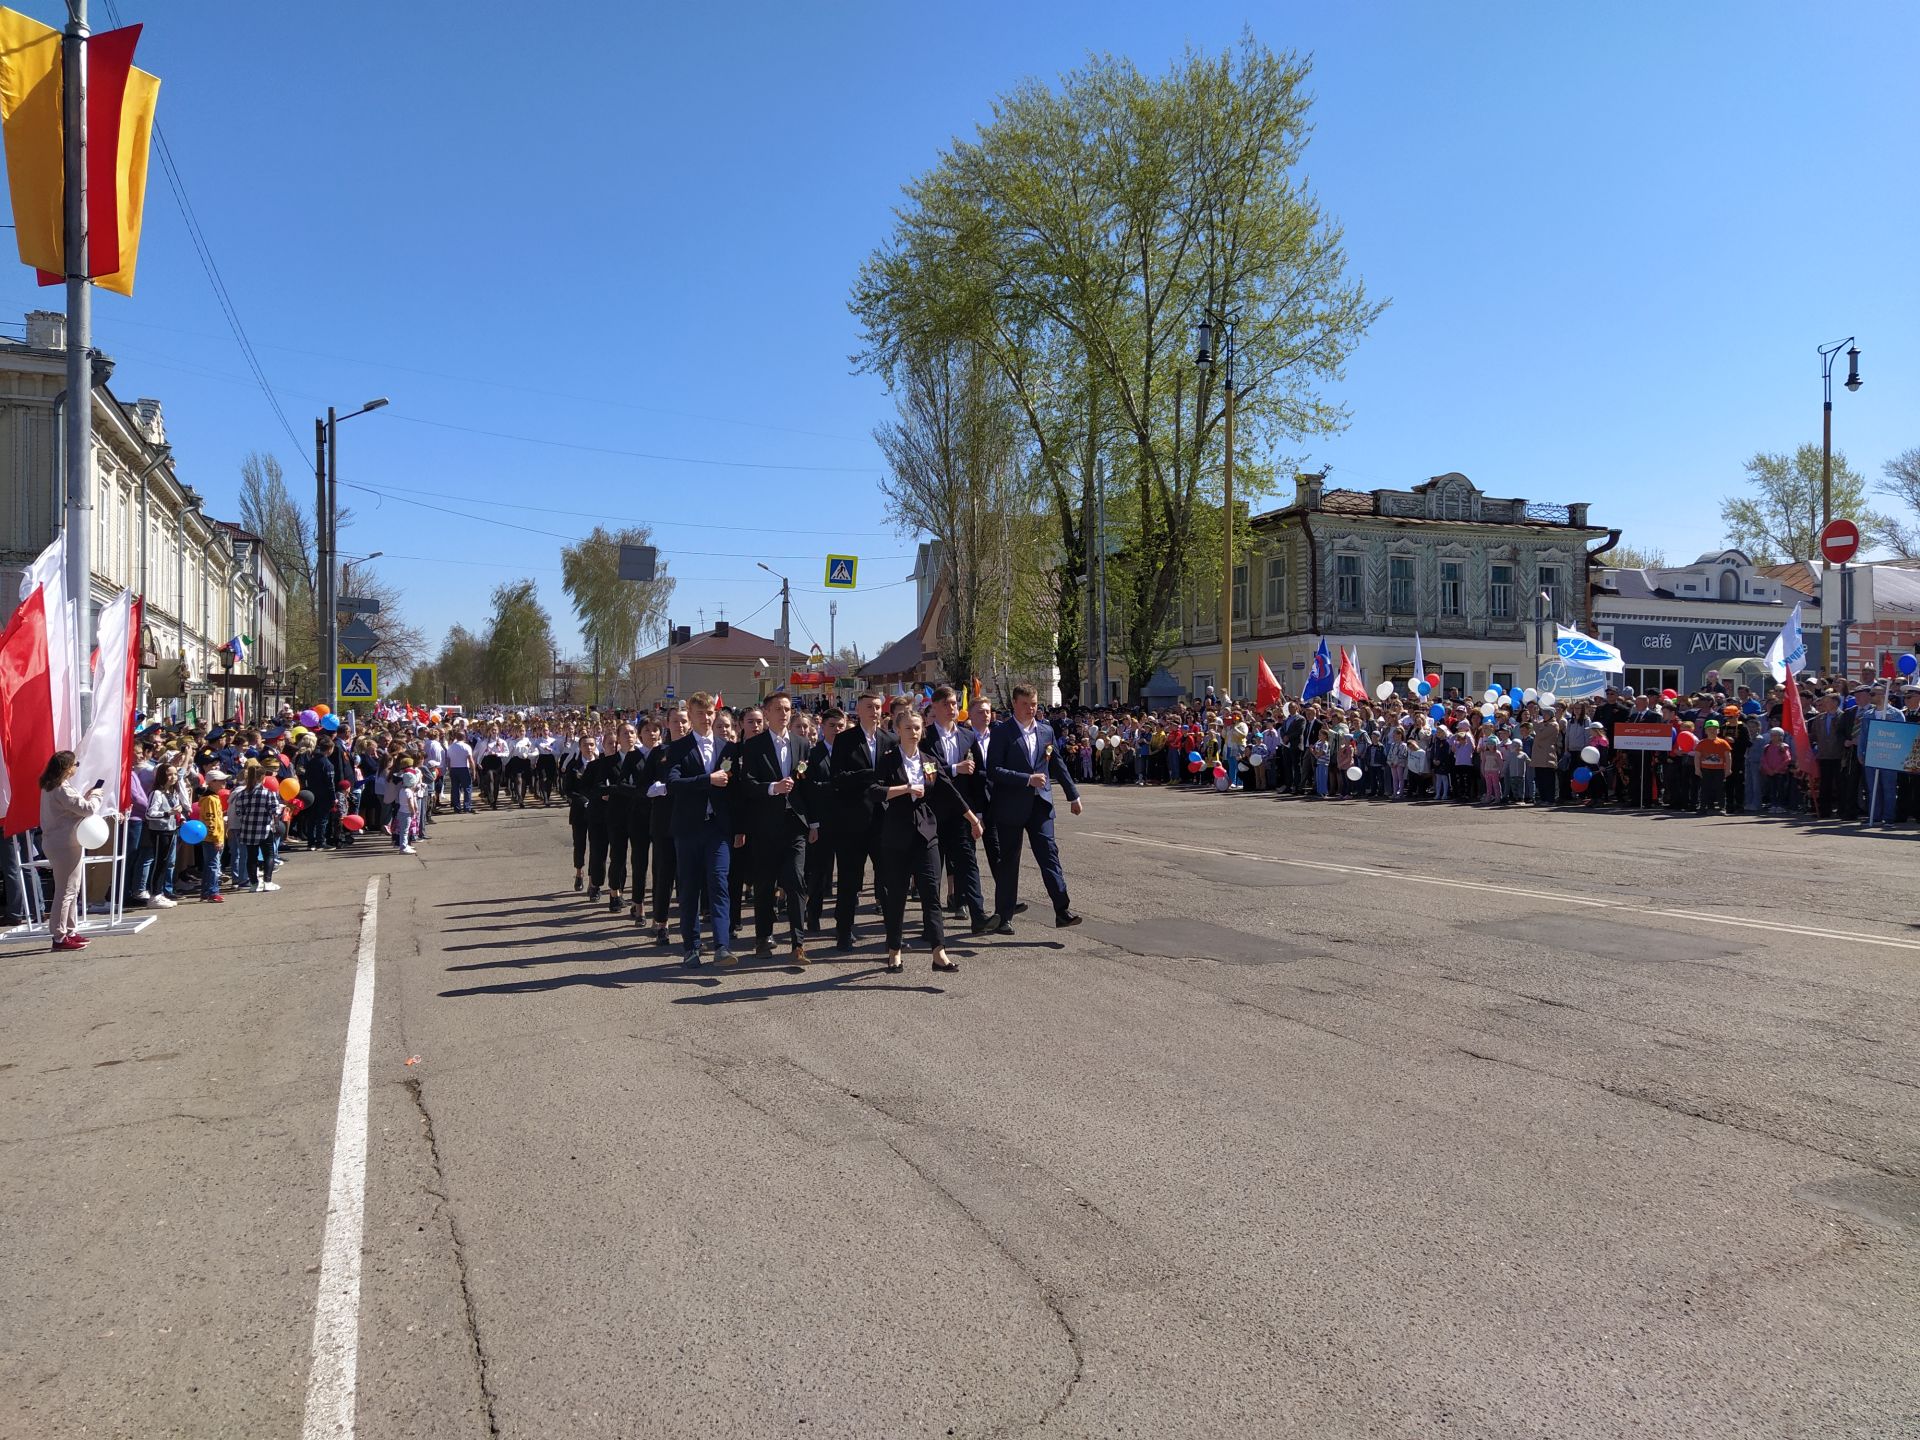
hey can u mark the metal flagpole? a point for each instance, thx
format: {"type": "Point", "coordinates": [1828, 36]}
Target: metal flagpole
{"type": "Point", "coordinates": [79, 408]}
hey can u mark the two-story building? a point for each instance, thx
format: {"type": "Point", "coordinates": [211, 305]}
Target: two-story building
{"type": "Point", "coordinates": [1370, 570]}
{"type": "Point", "coordinates": [203, 582]}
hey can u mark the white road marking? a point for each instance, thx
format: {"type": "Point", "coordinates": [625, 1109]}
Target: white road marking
{"type": "Point", "coordinates": [1593, 902]}
{"type": "Point", "coordinates": [336, 1320]}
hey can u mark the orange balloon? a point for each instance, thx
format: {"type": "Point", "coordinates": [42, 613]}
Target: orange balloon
{"type": "Point", "coordinates": [322, 710]}
{"type": "Point", "coordinates": [289, 789]}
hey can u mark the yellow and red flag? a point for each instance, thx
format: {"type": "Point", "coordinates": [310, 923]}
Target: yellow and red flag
{"type": "Point", "coordinates": [120, 106]}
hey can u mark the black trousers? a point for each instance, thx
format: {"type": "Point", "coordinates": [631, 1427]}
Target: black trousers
{"type": "Point", "coordinates": [779, 864]}
{"type": "Point", "coordinates": [616, 845]}
{"type": "Point", "coordinates": [1829, 789]}
{"type": "Point", "coordinates": [519, 777]}
{"type": "Point", "coordinates": [547, 773]}
{"type": "Point", "coordinates": [579, 823]}
{"type": "Point", "coordinates": [743, 867]}
{"type": "Point", "coordinates": [915, 864]}
{"type": "Point", "coordinates": [963, 860]}
{"type": "Point", "coordinates": [639, 841]}
{"type": "Point", "coordinates": [819, 875]}
{"type": "Point", "coordinates": [491, 768]}
{"type": "Point", "coordinates": [856, 845]}
{"type": "Point", "coordinates": [666, 864]}
{"type": "Point", "coordinates": [597, 847]}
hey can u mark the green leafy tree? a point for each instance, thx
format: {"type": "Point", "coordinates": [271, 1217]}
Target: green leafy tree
{"type": "Point", "coordinates": [460, 669]}
{"type": "Point", "coordinates": [1079, 240]}
{"type": "Point", "coordinates": [614, 614]}
{"type": "Point", "coordinates": [1779, 516]}
{"type": "Point", "coordinates": [520, 650]}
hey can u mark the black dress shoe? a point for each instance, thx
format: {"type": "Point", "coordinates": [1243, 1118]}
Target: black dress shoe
{"type": "Point", "coordinates": [1000, 925]}
{"type": "Point", "coordinates": [1019, 907]}
{"type": "Point", "coordinates": [613, 902]}
{"type": "Point", "coordinates": [593, 892]}
{"type": "Point", "coordinates": [691, 960]}
{"type": "Point", "coordinates": [763, 950]}
{"type": "Point", "coordinates": [980, 927]}
{"type": "Point", "coordinates": [578, 883]}
{"type": "Point", "coordinates": [1065, 919]}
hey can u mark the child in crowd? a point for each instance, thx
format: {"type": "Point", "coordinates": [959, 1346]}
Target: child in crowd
{"type": "Point", "coordinates": [214, 816]}
{"type": "Point", "coordinates": [1322, 756]}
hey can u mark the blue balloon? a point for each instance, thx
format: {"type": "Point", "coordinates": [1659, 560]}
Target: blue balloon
{"type": "Point", "coordinates": [1438, 711]}
{"type": "Point", "coordinates": [1909, 664]}
{"type": "Point", "coordinates": [193, 832]}
{"type": "Point", "coordinates": [1193, 757]}
{"type": "Point", "coordinates": [1516, 694]}
{"type": "Point", "coordinates": [1422, 689]}
{"type": "Point", "coordinates": [329, 722]}
{"type": "Point", "coordinates": [1582, 774]}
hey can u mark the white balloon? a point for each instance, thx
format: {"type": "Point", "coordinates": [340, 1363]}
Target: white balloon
{"type": "Point", "coordinates": [1100, 744]}
{"type": "Point", "coordinates": [1354, 772]}
{"type": "Point", "coordinates": [1487, 712]}
{"type": "Point", "coordinates": [1548, 698]}
{"type": "Point", "coordinates": [1384, 690]}
{"type": "Point", "coordinates": [1492, 697]}
{"type": "Point", "coordinates": [1529, 694]}
{"type": "Point", "coordinates": [91, 832]}
{"type": "Point", "coordinates": [1591, 755]}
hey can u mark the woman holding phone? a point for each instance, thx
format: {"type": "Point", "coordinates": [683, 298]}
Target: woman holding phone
{"type": "Point", "coordinates": [62, 808]}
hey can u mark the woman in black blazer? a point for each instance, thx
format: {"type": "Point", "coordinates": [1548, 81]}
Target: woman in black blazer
{"type": "Point", "coordinates": [915, 789]}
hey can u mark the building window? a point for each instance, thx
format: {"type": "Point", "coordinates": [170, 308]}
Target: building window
{"type": "Point", "coordinates": [1346, 580]}
{"type": "Point", "coordinates": [1501, 597]}
{"type": "Point", "coordinates": [1174, 613]}
{"type": "Point", "coordinates": [1650, 680]}
{"type": "Point", "coordinates": [1239, 592]}
{"type": "Point", "coordinates": [1556, 606]}
{"type": "Point", "coordinates": [1451, 572]}
{"type": "Point", "coordinates": [1453, 682]}
{"type": "Point", "coordinates": [1277, 585]}
{"type": "Point", "coordinates": [1400, 585]}
{"type": "Point", "coordinates": [1502, 678]}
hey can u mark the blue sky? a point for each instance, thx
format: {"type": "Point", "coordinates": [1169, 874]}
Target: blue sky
{"type": "Point", "coordinates": [1612, 237]}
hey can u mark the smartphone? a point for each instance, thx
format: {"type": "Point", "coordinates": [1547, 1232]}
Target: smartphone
{"type": "Point", "coordinates": [97, 785]}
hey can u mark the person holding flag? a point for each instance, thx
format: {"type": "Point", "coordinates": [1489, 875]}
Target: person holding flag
{"type": "Point", "coordinates": [1320, 676]}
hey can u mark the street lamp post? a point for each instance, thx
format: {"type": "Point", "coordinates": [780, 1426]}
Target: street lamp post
{"type": "Point", "coordinates": [1211, 321]}
{"type": "Point", "coordinates": [1827, 354]}
{"type": "Point", "coordinates": [786, 639]}
{"type": "Point", "coordinates": [326, 475]}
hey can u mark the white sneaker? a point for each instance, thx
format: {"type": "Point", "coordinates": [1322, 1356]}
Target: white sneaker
{"type": "Point", "coordinates": [165, 902]}
{"type": "Point", "coordinates": [268, 886]}
{"type": "Point", "coordinates": [408, 850]}
{"type": "Point", "coordinates": [258, 886]}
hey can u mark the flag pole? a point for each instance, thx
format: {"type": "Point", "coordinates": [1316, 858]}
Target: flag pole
{"type": "Point", "coordinates": [78, 411]}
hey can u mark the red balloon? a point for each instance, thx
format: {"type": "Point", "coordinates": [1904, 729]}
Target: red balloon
{"type": "Point", "coordinates": [1195, 765]}
{"type": "Point", "coordinates": [1578, 786]}
{"type": "Point", "coordinates": [1669, 694]}
{"type": "Point", "coordinates": [1434, 681]}
{"type": "Point", "coordinates": [1686, 742]}
{"type": "Point", "coordinates": [353, 822]}
{"type": "Point", "coordinates": [1219, 772]}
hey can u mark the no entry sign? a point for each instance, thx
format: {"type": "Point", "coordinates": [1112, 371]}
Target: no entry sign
{"type": "Point", "coordinates": [1839, 542]}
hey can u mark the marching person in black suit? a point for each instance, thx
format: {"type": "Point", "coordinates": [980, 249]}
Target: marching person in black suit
{"type": "Point", "coordinates": [596, 782]}
{"type": "Point", "coordinates": [639, 824]}
{"type": "Point", "coordinates": [697, 775]}
{"type": "Point", "coordinates": [859, 753]}
{"type": "Point", "coordinates": [579, 805]}
{"type": "Point", "coordinates": [918, 803]}
{"type": "Point", "coordinates": [1023, 761]}
{"type": "Point", "coordinates": [666, 861]}
{"type": "Point", "coordinates": [964, 758]}
{"type": "Point", "coordinates": [772, 814]}
{"type": "Point", "coordinates": [977, 787]}
{"type": "Point", "coordinates": [819, 804]}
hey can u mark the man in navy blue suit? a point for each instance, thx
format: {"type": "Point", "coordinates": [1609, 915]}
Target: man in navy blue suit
{"type": "Point", "coordinates": [1023, 761]}
{"type": "Point", "coordinates": [696, 776]}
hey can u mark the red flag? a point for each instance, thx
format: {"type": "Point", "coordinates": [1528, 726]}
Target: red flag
{"type": "Point", "coordinates": [1266, 689]}
{"type": "Point", "coordinates": [1349, 684]}
{"type": "Point", "coordinates": [26, 711]}
{"type": "Point", "coordinates": [1796, 728]}
{"type": "Point", "coordinates": [109, 65]}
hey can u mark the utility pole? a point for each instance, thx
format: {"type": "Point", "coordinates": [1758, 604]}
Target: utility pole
{"type": "Point", "coordinates": [1100, 526]}
{"type": "Point", "coordinates": [332, 616]}
{"type": "Point", "coordinates": [1827, 353]}
{"type": "Point", "coordinates": [833, 616]}
{"type": "Point", "coordinates": [322, 563]}
{"type": "Point", "coordinates": [79, 408]}
{"type": "Point", "coordinates": [786, 637]}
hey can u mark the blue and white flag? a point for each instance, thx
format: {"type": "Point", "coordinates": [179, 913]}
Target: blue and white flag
{"type": "Point", "coordinates": [1320, 677]}
{"type": "Point", "coordinates": [1587, 652]}
{"type": "Point", "coordinates": [1789, 649]}
{"type": "Point", "coordinates": [1419, 660]}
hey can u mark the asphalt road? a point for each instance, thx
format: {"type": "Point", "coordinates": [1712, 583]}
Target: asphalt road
{"type": "Point", "coordinates": [1331, 1121]}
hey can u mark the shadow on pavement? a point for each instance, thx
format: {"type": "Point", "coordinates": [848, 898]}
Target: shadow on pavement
{"type": "Point", "coordinates": [663, 973]}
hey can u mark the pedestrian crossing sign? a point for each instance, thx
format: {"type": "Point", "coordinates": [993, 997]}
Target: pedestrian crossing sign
{"type": "Point", "coordinates": [841, 570]}
{"type": "Point", "coordinates": [359, 682]}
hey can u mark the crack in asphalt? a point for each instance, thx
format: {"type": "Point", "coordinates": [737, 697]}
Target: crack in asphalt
{"type": "Point", "coordinates": [438, 1190]}
{"type": "Point", "coordinates": [715, 1066]}
{"type": "Point", "coordinates": [1691, 1112]}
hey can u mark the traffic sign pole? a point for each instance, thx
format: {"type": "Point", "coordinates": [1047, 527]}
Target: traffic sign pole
{"type": "Point", "coordinates": [1839, 543]}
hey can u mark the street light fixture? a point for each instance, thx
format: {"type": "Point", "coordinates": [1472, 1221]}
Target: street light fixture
{"type": "Point", "coordinates": [1827, 354]}
{"type": "Point", "coordinates": [1210, 321]}
{"type": "Point", "coordinates": [326, 474]}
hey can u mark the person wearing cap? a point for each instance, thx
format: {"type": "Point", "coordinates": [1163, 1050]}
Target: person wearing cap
{"type": "Point", "coordinates": [1712, 760]}
{"type": "Point", "coordinates": [1776, 766]}
{"type": "Point", "coordinates": [1734, 731]}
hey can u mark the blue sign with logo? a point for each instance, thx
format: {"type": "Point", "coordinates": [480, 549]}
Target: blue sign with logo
{"type": "Point", "coordinates": [1891, 745]}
